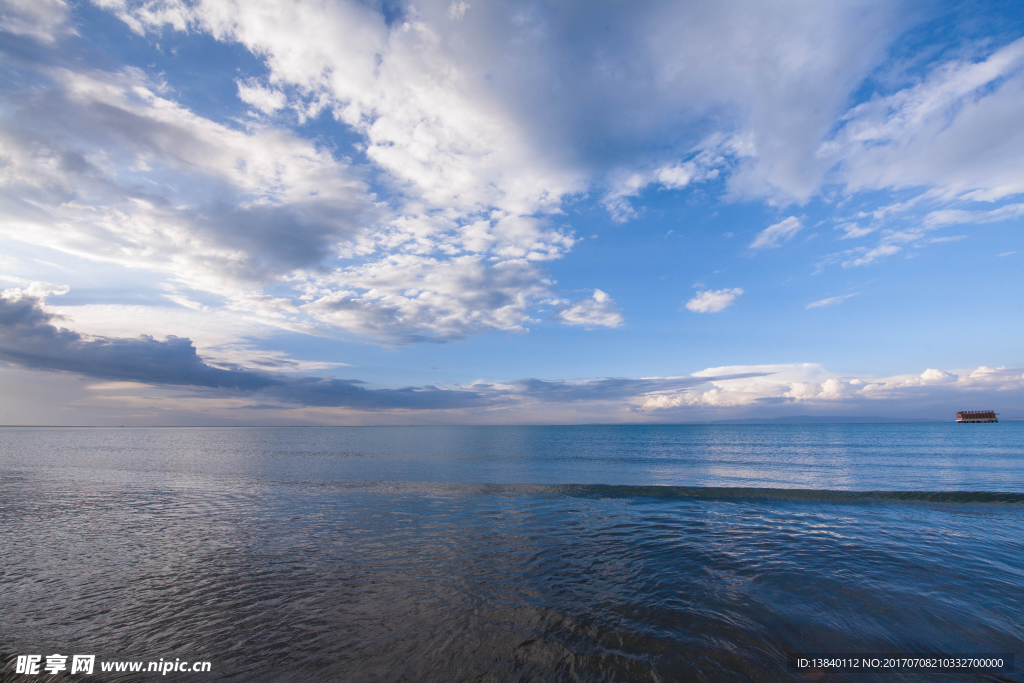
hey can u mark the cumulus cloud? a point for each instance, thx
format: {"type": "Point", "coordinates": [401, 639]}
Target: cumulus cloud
{"type": "Point", "coordinates": [811, 385]}
{"type": "Point", "coordinates": [405, 88]}
{"type": "Point", "coordinates": [100, 165]}
{"type": "Point", "coordinates": [598, 311]}
{"type": "Point", "coordinates": [735, 386]}
{"type": "Point", "coordinates": [935, 376]}
{"type": "Point", "coordinates": [713, 301]}
{"type": "Point", "coordinates": [496, 109]}
{"type": "Point", "coordinates": [266, 100]}
{"type": "Point", "coordinates": [476, 125]}
{"type": "Point", "coordinates": [774, 235]}
{"type": "Point", "coordinates": [407, 298]}
{"type": "Point", "coordinates": [103, 165]}
{"type": "Point", "coordinates": [37, 289]}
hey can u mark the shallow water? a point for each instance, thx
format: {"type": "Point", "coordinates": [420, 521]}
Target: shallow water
{"type": "Point", "coordinates": [505, 554]}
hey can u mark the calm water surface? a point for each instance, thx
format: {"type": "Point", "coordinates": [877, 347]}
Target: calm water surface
{"type": "Point", "coordinates": [512, 554]}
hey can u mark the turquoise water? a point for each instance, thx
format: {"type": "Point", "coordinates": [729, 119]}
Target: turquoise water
{"type": "Point", "coordinates": [513, 553]}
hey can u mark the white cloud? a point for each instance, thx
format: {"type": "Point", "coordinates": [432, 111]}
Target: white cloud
{"type": "Point", "coordinates": [811, 384]}
{"type": "Point", "coordinates": [496, 109]}
{"type": "Point", "coordinates": [831, 301]}
{"type": "Point", "coordinates": [984, 372]}
{"type": "Point", "coordinates": [958, 131]}
{"type": "Point", "coordinates": [705, 165]}
{"type": "Point", "coordinates": [233, 209]}
{"type": "Point", "coordinates": [407, 297]}
{"type": "Point", "coordinates": [852, 230]}
{"type": "Point", "coordinates": [713, 301]}
{"type": "Point", "coordinates": [774, 235]}
{"type": "Point", "coordinates": [478, 124]}
{"type": "Point", "coordinates": [101, 166]}
{"type": "Point", "coordinates": [797, 382]}
{"type": "Point", "coordinates": [934, 376]}
{"type": "Point", "coordinates": [463, 113]}
{"type": "Point", "coordinates": [44, 20]}
{"type": "Point", "coordinates": [954, 137]}
{"type": "Point", "coordinates": [418, 106]}
{"type": "Point", "coordinates": [599, 310]}
{"type": "Point", "coordinates": [868, 256]}
{"type": "Point", "coordinates": [104, 167]}
{"type": "Point", "coordinates": [893, 240]}
{"type": "Point", "coordinates": [956, 216]}
{"type": "Point", "coordinates": [37, 289]}
{"type": "Point", "coordinates": [267, 100]}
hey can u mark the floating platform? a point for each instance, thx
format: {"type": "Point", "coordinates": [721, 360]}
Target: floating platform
{"type": "Point", "coordinates": [971, 416]}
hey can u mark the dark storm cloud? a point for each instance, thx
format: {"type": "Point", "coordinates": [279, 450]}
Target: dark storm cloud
{"type": "Point", "coordinates": [29, 338]}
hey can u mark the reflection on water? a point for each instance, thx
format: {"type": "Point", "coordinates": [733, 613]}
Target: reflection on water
{"type": "Point", "coordinates": [461, 554]}
{"type": "Point", "coordinates": [857, 457]}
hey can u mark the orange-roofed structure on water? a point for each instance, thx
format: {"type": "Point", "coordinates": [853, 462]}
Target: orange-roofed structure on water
{"type": "Point", "coordinates": [972, 416]}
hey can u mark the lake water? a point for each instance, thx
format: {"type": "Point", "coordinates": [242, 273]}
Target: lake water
{"type": "Point", "coordinates": [591, 553]}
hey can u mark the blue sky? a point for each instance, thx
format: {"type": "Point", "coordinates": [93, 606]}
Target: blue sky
{"type": "Point", "coordinates": [217, 212]}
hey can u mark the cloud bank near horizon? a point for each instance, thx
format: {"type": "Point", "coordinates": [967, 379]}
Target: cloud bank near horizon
{"type": "Point", "coordinates": [30, 338]}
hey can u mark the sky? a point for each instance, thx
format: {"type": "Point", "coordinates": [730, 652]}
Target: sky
{"type": "Point", "coordinates": [351, 213]}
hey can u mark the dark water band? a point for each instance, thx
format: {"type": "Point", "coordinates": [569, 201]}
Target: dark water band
{"type": "Point", "coordinates": [817, 495]}
{"type": "Point", "coordinates": [1011, 498]}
